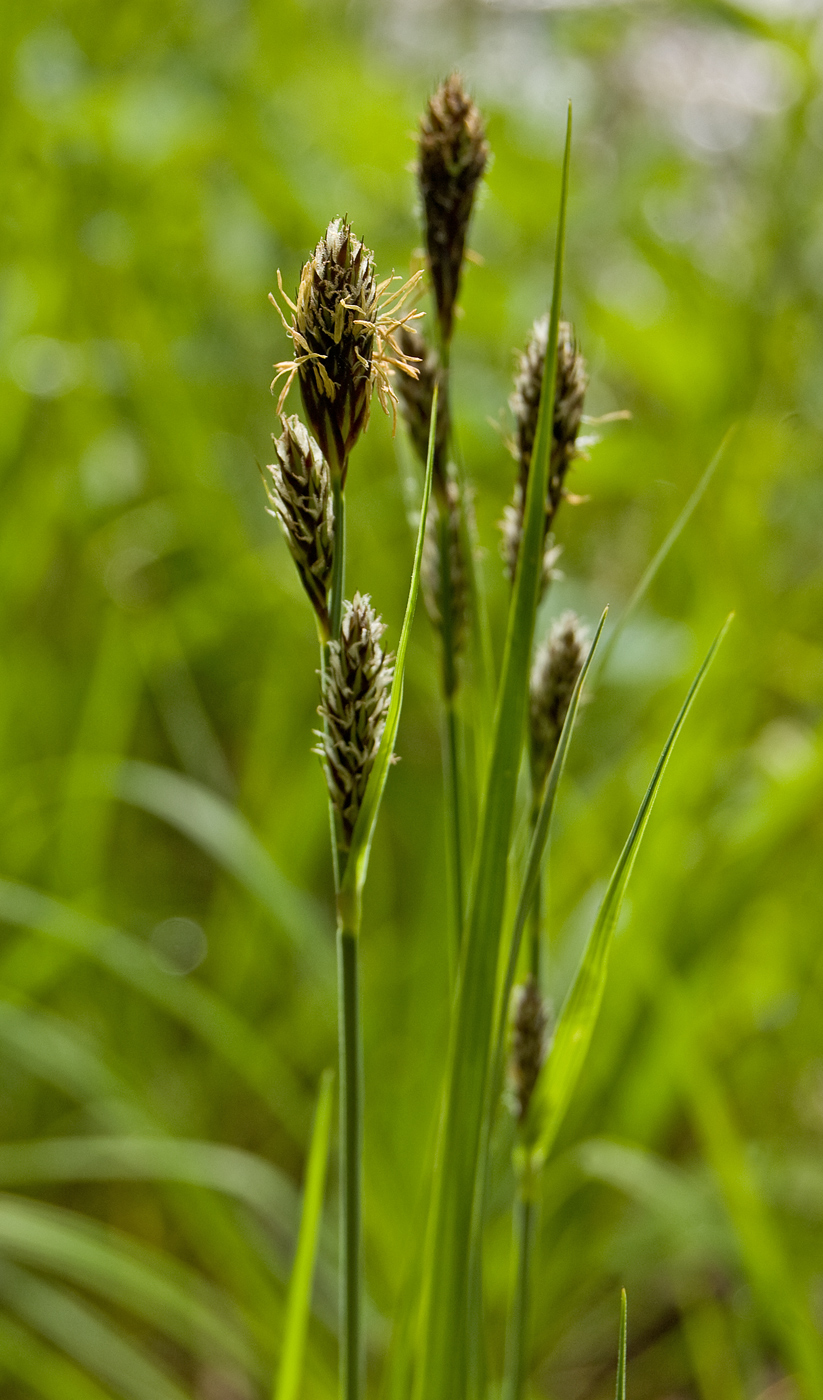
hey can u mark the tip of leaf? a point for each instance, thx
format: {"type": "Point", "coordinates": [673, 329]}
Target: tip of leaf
{"type": "Point", "coordinates": [621, 1351]}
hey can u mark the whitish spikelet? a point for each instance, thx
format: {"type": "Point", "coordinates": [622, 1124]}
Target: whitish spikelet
{"type": "Point", "coordinates": [344, 328]}
{"type": "Point", "coordinates": [557, 666]}
{"type": "Point", "coordinates": [356, 694]}
{"type": "Point", "coordinates": [299, 492]}
{"type": "Point", "coordinates": [570, 392]}
{"type": "Point", "coordinates": [528, 1045]}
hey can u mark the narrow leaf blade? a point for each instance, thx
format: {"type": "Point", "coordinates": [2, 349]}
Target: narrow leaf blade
{"type": "Point", "coordinates": [582, 1006]}
{"type": "Point", "coordinates": [620, 1390]}
{"type": "Point", "coordinates": [659, 559]}
{"type": "Point", "coordinates": [298, 1305]}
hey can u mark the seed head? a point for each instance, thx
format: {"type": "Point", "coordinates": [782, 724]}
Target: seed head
{"type": "Point", "coordinates": [344, 339]}
{"type": "Point", "coordinates": [555, 672]}
{"type": "Point", "coordinates": [300, 498]}
{"type": "Point", "coordinates": [444, 540]}
{"type": "Point", "coordinates": [570, 391]}
{"type": "Point", "coordinates": [356, 693]}
{"type": "Point", "coordinates": [452, 155]}
{"type": "Point", "coordinates": [528, 1044]}
{"type": "Point", "coordinates": [415, 398]}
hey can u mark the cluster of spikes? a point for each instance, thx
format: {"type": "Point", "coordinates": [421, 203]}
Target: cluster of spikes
{"type": "Point", "coordinates": [350, 338]}
{"type": "Point", "coordinates": [345, 327]}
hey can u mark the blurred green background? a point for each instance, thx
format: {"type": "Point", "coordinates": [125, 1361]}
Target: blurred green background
{"type": "Point", "coordinates": [166, 971]}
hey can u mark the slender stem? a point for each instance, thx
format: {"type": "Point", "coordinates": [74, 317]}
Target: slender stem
{"type": "Point", "coordinates": [338, 578]}
{"type": "Point", "coordinates": [451, 776]}
{"type": "Point", "coordinates": [351, 1148]}
{"type": "Point", "coordinates": [536, 907]}
{"type": "Point", "coordinates": [534, 934]}
{"type": "Point", "coordinates": [450, 745]}
{"type": "Point", "coordinates": [350, 1056]}
{"type": "Point", "coordinates": [518, 1324]}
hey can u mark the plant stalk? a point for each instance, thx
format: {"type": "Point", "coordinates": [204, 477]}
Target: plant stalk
{"type": "Point", "coordinates": [451, 783]}
{"type": "Point", "coordinates": [450, 739]}
{"type": "Point", "coordinates": [349, 1051]}
{"type": "Point", "coordinates": [338, 578]}
{"type": "Point", "coordinates": [536, 905]}
{"type": "Point", "coordinates": [351, 1150]}
{"type": "Point", "coordinates": [518, 1325]}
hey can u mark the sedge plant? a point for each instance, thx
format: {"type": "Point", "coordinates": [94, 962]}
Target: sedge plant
{"type": "Point", "coordinates": [350, 336]}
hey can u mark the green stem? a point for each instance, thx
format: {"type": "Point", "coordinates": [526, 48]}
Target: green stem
{"type": "Point", "coordinates": [450, 745]}
{"type": "Point", "coordinates": [534, 934]}
{"type": "Point", "coordinates": [350, 1054]}
{"type": "Point", "coordinates": [451, 775]}
{"type": "Point", "coordinates": [535, 911]}
{"type": "Point", "coordinates": [338, 578]}
{"type": "Point", "coordinates": [351, 1147]}
{"type": "Point", "coordinates": [518, 1325]}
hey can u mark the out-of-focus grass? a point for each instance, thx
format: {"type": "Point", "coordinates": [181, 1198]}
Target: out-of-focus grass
{"type": "Point", "coordinates": [158, 166]}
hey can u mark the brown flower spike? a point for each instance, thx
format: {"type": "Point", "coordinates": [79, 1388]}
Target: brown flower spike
{"type": "Point", "coordinates": [344, 330]}
{"type": "Point", "coordinates": [557, 666]}
{"type": "Point", "coordinates": [528, 1044]}
{"type": "Point", "coordinates": [356, 693]}
{"type": "Point", "coordinates": [452, 156]}
{"type": "Point", "coordinates": [570, 391]}
{"type": "Point", "coordinates": [300, 498]}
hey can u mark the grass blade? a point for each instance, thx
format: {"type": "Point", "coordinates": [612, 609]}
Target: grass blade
{"type": "Point", "coordinates": [54, 1051]}
{"type": "Point", "coordinates": [224, 833]}
{"type": "Point", "coordinates": [87, 1335]}
{"type": "Point", "coordinates": [354, 875]}
{"type": "Point", "coordinates": [620, 1389]}
{"type": "Point", "coordinates": [778, 1288]}
{"type": "Point", "coordinates": [654, 567]}
{"type": "Point", "coordinates": [227, 1170]}
{"type": "Point", "coordinates": [187, 1001]}
{"type": "Point", "coordinates": [298, 1305]}
{"type": "Point", "coordinates": [443, 1362]}
{"type": "Point", "coordinates": [168, 1295]}
{"type": "Point", "coordinates": [582, 1006]}
{"type": "Point", "coordinates": [42, 1370]}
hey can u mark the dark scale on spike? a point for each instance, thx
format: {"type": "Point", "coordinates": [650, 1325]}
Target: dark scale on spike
{"type": "Point", "coordinates": [528, 1045]}
{"type": "Point", "coordinates": [452, 156]}
{"type": "Point", "coordinates": [570, 392]}
{"type": "Point", "coordinates": [557, 666]}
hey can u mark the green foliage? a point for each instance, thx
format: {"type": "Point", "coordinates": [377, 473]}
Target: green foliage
{"type": "Point", "coordinates": [167, 1003]}
{"type": "Point", "coordinates": [298, 1307]}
